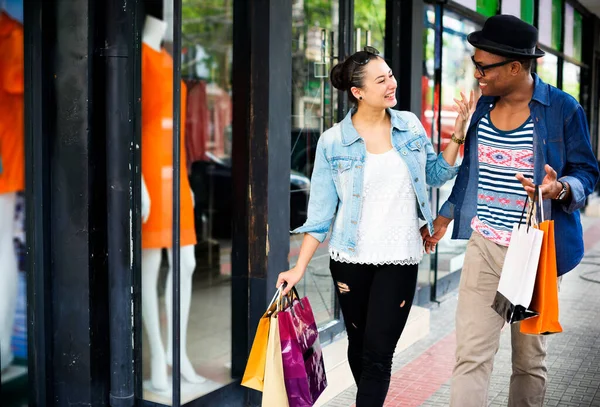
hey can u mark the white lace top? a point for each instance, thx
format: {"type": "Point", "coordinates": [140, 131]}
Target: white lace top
{"type": "Point", "coordinates": [388, 231]}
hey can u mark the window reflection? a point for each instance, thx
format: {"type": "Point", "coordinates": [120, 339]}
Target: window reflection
{"type": "Point", "coordinates": [571, 75]}
{"type": "Point", "coordinates": [314, 102]}
{"type": "Point", "coordinates": [547, 68]}
{"type": "Point", "coordinates": [206, 179]}
{"type": "Point", "coordinates": [457, 76]}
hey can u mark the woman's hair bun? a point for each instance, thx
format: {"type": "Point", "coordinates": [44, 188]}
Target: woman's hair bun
{"type": "Point", "coordinates": [337, 77]}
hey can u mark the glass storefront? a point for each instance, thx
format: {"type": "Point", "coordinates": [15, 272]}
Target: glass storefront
{"type": "Point", "coordinates": [13, 292]}
{"type": "Point", "coordinates": [547, 68]}
{"type": "Point", "coordinates": [206, 174]}
{"type": "Point", "coordinates": [369, 24]}
{"type": "Point", "coordinates": [457, 77]}
{"type": "Point", "coordinates": [438, 117]}
{"type": "Point", "coordinates": [206, 188]}
{"type": "Point", "coordinates": [571, 79]}
{"type": "Point", "coordinates": [315, 34]}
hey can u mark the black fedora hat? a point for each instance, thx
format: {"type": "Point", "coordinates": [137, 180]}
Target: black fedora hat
{"type": "Point", "coordinates": [508, 36]}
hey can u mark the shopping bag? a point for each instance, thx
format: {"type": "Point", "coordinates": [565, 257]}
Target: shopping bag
{"type": "Point", "coordinates": [255, 367]}
{"type": "Point", "coordinates": [303, 367]}
{"type": "Point", "coordinates": [545, 292]}
{"type": "Point", "coordinates": [274, 393]}
{"type": "Point", "coordinates": [515, 289]}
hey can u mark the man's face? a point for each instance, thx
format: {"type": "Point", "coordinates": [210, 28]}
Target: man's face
{"type": "Point", "coordinates": [493, 81]}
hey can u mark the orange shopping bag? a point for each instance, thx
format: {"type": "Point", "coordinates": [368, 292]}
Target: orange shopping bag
{"type": "Point", "coordinates": [254, 374]}
{"type": "Point", "coordinates": [545, 292]}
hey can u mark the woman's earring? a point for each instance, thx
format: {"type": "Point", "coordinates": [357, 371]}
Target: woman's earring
{"type": "Point", "coordinates": [360, 97]}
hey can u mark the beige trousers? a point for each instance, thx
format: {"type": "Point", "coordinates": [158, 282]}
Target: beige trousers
{"type": "Point", "coordinates": [478, 329]}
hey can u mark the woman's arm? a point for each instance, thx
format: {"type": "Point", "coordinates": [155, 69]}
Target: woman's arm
{"type": "Point", "coordinates": [464, 109]}
{"type": "Point", "coordinates": [295, 274]}
{"type": "Point", "coordinates": [441, 168]}
{"type": "Point", "coordinates": [322, 205]}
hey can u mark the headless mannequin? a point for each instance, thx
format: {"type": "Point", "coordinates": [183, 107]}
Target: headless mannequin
{"type": "Point", "coordinates": [8, 269]}
{"type": "Point", "coordinates": [153, 34]}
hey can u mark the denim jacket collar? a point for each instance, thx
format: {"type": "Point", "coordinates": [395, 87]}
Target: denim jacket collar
{"type": "Point", "coordinates": [350, 135]}
{"type": "Point", "coordinates": [540, 91]}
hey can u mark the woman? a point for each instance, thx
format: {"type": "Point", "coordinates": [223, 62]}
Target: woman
{"type": "Point", "coordinates": [370, 180]}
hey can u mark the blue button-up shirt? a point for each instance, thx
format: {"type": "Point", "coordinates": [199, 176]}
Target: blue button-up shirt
{"type": "Point", "coordinates": [561, 139]}
{"type": "Point", "coordinates": [337, 180]}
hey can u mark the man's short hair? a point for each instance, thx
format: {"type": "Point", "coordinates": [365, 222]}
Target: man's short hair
{"type": "Point", "coordinates": [527, 64]}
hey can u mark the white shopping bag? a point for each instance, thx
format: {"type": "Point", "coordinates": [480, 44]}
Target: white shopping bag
{"type": "Point", "coordinates": [517, 280]}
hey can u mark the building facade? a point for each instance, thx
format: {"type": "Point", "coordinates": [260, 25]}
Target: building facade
{"type": "Point", "coordinates": [99, 291]}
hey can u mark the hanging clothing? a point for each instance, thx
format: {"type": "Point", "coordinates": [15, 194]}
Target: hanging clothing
{"type": "Point", "coordinates": [12, 153]}
{"type": "Point", "coordinates": [157, 153]}
{"type": "Point", "coordinates": [197, 122]}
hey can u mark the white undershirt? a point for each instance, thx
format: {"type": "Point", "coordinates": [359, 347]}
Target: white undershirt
{"type": "Point", "coordinates": [388, 231]}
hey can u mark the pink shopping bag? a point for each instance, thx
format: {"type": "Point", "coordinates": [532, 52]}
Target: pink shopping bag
{"type": "Point", "coordinates": [303, 367]}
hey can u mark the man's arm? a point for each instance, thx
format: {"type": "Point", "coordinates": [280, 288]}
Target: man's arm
{"type": "Point", "coordinates": [581, 167]}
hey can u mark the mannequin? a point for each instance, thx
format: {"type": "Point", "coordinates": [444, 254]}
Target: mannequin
{"type": "Point", "coordinates": [12, 172]}
{"type": "Point", "coordinates": [157, 135]}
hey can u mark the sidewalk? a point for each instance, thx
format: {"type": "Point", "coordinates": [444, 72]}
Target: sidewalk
{"type": "Point", "coordinates": [421, 374]}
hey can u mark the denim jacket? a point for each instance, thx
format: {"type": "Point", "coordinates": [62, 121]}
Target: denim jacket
{"type": "Point", "coordinates": [337, 179]}
{"type": "Point", "coordinates": [561, 139]}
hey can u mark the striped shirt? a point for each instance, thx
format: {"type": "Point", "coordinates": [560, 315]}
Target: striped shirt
{"type": "Point", "coordinates": [500, 196]}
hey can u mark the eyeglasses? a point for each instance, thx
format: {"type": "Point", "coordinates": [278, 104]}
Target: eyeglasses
{"type": "Point", "coordinates": [482, 68]}
{"type": "Point", "coordinates": [364, 56]}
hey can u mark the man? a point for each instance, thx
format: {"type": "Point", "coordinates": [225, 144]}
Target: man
{"type": "Point", "coordinates": [523, 132]}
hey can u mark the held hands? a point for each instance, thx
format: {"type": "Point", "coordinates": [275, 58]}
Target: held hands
{"type": "Point", "coordinates": [464, 109]}
{"type": "Point", "coordinates": [291, 277]}
{"type": "Point", "coordinates": [440, 225]}
{"type": "Point", "coordinates": [550, 187]}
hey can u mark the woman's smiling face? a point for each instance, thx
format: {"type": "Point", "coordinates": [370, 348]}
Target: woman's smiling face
{"type": "Point", "coordinates": [379, 85]}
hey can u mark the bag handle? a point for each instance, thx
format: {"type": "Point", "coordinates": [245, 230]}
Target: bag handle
{"type": "Point", "coordinates": [530, 218]}
{"type": "Point", "coordinates": [523, 211]}
{"type": "Point", "coordinates": [287, 300]}
{"type": "Point", "coordinates": [540, 202]}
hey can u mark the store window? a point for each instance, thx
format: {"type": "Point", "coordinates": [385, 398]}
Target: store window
{"type": "Point", "coordinates": [520, 8]}
{"type": "Point", "coordinates": [438, 116]}
{"type": "Point", "coordinates": [206, 189]}
{"type": "Point", "coordinates": [571, 77]}
{"type": "Point", "coordinates": [13, 293]}
{"type": "Point", "coordinates": [369, 21]}
{"type": "Point", "coordinates": [315, 35]}
{"type": "Point", "coordinates": [547, 68]}
{"type": "Point", "coordinates": [487, 8]}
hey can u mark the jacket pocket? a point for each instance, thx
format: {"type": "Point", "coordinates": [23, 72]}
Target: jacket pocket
{"type": "Point", "coordinates": [342, 174]}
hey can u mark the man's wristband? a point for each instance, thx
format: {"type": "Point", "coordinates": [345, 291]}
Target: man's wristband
{"type": "Point", "coordinates": [563, 192]}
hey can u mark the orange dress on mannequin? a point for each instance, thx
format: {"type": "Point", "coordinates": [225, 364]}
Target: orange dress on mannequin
{"type": "Point", "coordinates": [157, 153]}
{"type": "Point", "coordinates": [12, 137]}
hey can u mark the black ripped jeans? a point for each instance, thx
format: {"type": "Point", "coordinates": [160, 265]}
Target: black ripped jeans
{"type": "Point", "coordinates": [375, 303]}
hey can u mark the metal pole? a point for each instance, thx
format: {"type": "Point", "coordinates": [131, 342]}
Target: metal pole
{"type": "Point", "coordinates": [437, 105]}
{"type": "Point", "coordinates": [321, 74]}
{"type": "Point", "coordinates": [119, 174]}
{"type": "Point", "coordinates": [176, 202]}
{"type": "Point", "coordinates": [358, 40]}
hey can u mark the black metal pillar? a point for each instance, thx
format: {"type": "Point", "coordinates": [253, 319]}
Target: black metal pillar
{"type": "Point", "coordinates": [122, 169]}
{"type": "Point", "coordinates": [65, 156]}
{"type": "Point", "coordinates": [37, 176]}
{"type": "Point", "coordinates": [262, 82]}
{"type": "Point", "coordinates": [345, 48]}
{"type": "Point", "coordinates": [404, 50]}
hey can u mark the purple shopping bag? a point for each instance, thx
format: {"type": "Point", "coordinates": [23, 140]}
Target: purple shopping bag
{"type": "Point", "coordinates": [303, 367]}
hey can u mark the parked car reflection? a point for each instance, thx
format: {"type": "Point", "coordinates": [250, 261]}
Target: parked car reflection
{"type": "Point", "coordinates": [211, 182]}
